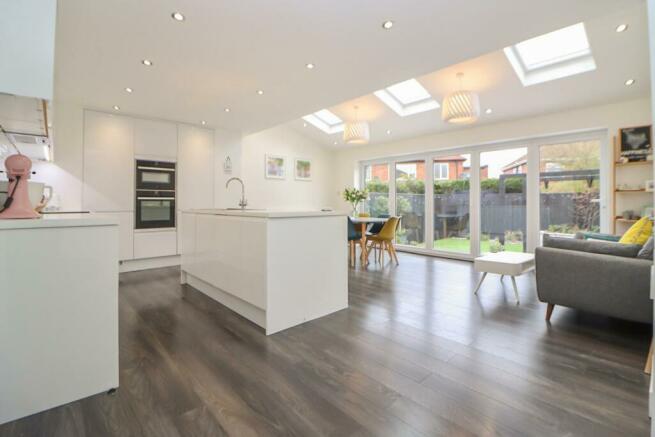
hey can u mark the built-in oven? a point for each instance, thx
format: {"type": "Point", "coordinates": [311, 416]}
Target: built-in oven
{"type": "Point", "coordinates": [155, 175]}
{"type": "Point", "coordinates": [154, 209]}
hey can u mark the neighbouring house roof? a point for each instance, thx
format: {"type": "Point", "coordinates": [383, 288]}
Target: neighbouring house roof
{"type": "Point", "coordinates": [516, 163]}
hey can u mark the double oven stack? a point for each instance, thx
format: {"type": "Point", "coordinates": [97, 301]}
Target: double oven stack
{"type": "Point", "coordinates": [155, 195]}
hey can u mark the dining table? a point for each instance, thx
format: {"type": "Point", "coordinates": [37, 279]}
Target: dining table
{"type": "Point", "coordinates": [363, 223]}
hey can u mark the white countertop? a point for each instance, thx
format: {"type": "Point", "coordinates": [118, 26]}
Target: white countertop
{"type": "Point", "coordinates": [60, 221]}
{"type": "Point", "coordinates": [265, 213]}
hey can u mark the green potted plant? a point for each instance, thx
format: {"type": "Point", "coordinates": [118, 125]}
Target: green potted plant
{"type": "Point", "coordinates": [354, 196]}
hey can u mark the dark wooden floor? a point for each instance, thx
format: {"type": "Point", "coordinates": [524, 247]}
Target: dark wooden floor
{"type": "Point", "coordinates": [415, 354]}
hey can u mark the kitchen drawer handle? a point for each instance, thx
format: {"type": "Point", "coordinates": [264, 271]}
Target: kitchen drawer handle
{"type": "Point", "coordinates": [155, 198]}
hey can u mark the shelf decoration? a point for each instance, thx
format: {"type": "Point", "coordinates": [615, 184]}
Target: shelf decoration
{"type": "Point", "coordinates": [636, 143]}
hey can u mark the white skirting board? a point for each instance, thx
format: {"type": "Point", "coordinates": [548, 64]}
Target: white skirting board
{"type": "Point", "coordinates": [149, 263]}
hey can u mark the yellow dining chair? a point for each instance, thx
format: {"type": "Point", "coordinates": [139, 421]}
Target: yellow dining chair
{"type": "Point", "coordinates": [384, 240]}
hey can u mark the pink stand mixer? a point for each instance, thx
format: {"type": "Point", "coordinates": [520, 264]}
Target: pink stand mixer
{"type": "Point", "coordinates": [17, 205]}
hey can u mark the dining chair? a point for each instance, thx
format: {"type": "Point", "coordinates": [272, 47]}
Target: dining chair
{"type": "Point", "coordinates": [383, 240]}
{"type": "Point", "coordinates": [375, 228]}
{"type": "Point", "coordinates": [354, 236]}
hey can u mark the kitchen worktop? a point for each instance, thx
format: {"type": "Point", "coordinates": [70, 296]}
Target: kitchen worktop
{"type": "Point", "coordinates": [59, 221]}
{"type": "Point", "coordinates": [266, 213]}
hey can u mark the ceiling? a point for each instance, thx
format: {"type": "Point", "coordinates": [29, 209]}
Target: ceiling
{"type": "Point", "coordinates": [618, 56]}
{"type": "Point", "coordinates": [226, 50]}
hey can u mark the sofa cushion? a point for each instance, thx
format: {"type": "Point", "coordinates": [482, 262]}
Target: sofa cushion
{"type": "Point", "coordinates": [592, 246]}
{"type": "Point", "coordinates": [646, 251]}
{"type": "Point", "coordinates": [638, 232]}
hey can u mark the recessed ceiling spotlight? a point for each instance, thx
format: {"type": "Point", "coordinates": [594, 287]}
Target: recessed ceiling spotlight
{"type": "Point", "coordinates": [147, 62]}
{"type": "Point", "coordinates": [177, 16]}
{"type": "Point", "coordinates": [203, 122]}
{"type": "Point", "coordinates": [387, 25]}
{"type": "Point", "coordinates": [388, 131]}
{"type": "Point", "coordinates": [226, 109]}
{"type": "Point", "coordinates": [128, 90]}
{"type": "Point", "coordinates": [629, 82]}
{"type": "Point", "coordinates": [621, 28]}
{"type": "Point", "coordinates": [335, 143]}
{"type": "Point", "coordinates": [310, 66]}
{"type": "Point", "coordinates": [260, 92]}
{"type": "Point", "coordinates": [304, 125]}
{"type": "Point", "coordinates": [488, 111]}
{"type": "Point", "coordinates": [117, 108]}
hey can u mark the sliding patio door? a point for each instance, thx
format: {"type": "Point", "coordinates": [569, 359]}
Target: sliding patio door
{"type": "Point", "coordinates": [376, 181]}
{"type": "Point", "coordinates": [480, 199]}
{"type": "Point", "coordinates": [569, 187]}
{"type": "Point", "coordinates": [410, 202]}
{"type": "Point", "coordinates": [503, 200]}
{"type": "Point", "coordinates": [451, 201]}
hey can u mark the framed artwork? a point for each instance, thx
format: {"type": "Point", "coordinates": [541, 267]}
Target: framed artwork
{"type": "Point", "coordinates": [275, 167]}
{"type": "Point", "coordinates": [636, 142]}
{"type": "Point", "coordinates": [650, 186]}
{"type": "Point", "coordinates": [303, 169]}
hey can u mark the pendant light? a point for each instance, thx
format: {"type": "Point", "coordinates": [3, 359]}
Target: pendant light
{"type": "Point", "coordinates": [461, 106]}
{"type": "Point", "coordinates": [356, 132]}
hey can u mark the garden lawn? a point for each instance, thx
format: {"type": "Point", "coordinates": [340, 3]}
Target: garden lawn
{"type": "Point", "coordinates": [462, 245]}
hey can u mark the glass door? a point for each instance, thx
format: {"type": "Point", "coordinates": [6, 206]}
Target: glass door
{"type": "Point", "coordinates": [503, 200]}
{"type": "Point", "coordinates": [569, 187]}
{"type": "Point", "coordinates": [410, 202]}
{"type": "Point", "coordinates": [452, 214]}
{"type": "Point", "coordinates": [376, 181]}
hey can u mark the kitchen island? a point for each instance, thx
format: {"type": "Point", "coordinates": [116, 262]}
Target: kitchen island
{"type": "Point", "coordinates": [277, 269]}
{"type": "Point", "coordinates": [58, 311]}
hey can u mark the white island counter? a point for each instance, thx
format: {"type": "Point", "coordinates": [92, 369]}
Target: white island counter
{"type": "Point", "coordinates": [278, 269]}
{"type": "Point", "coordinates": [58, 311]}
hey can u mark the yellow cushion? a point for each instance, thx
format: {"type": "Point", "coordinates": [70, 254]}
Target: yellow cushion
{"type": "Point", "coordinates": [638, 233]}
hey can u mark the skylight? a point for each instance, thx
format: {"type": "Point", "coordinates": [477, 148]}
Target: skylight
{"type": "Point", "coordinates": [407, 98]}
{"type": "Point", "coordinates": [555, 55]}
{"type": "Point", "coordinates": [325, 121]}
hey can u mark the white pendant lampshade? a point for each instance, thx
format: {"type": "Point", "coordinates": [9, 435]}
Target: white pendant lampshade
{"type": "Point", "coordinates": [461, 106]}
{"type": "Point", "coordinates": [356, 132]}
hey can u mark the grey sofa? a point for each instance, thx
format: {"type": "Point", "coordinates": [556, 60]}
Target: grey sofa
{"type": "Point", "coordinates": [596, 276]}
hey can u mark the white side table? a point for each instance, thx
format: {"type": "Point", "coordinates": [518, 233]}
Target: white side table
{"type": "Point", "coordinates": [504, 263]}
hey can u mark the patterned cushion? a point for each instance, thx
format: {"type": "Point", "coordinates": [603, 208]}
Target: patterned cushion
{"type": "Point", "coordinates": [639, 232]}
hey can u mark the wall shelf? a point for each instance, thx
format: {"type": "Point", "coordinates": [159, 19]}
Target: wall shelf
{"type": "Point", "coordinates": [640, 171]}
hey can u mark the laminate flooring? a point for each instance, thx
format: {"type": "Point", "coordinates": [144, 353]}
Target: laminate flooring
{"type": "Point", "coordinates": [416, 354]}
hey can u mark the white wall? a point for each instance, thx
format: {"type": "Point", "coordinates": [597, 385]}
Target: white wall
{"type": "Point", "coordinates": [610, 116]}
{"type": "Point", "coordinates": [288, 193]}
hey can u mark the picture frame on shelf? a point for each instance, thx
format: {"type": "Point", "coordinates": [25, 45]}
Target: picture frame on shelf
{"type": "Point", "coordinates": [303, 169]}
{"type": "Point", "coordinates": [649, 186]}
{"type": "Point", "coordinates": [275, 167]}
{"type": "Point", "coordinates": [636, 143]}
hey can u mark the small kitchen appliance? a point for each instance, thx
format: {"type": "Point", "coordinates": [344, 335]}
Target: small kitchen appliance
{"type": "Point", "coordinates": [17, 204]}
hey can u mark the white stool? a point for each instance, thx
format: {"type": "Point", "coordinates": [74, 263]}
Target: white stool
{"type": "Point", "coordinates": [504, 263]}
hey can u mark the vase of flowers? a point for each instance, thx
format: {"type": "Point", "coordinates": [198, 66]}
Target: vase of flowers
{"type": "Point", "coordinates": [354, 196]}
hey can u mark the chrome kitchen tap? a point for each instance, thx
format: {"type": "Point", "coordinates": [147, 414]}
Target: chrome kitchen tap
{"type": "Point", "coordinates": [243, 202]}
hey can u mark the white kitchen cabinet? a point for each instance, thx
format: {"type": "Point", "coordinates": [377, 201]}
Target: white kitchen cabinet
{"type": "Point", "coordinates": [108, 163]}
{"type": "Point", "coordinates": [153, 244]}
{"type": "Point", "coordinates": [125, 234]}
{"type": "Point", "coordinates": [195, 167]}
{"type": "Point", "coordinates": [156, 140]}
{"type": "Point", "coordinates": [27, 44]}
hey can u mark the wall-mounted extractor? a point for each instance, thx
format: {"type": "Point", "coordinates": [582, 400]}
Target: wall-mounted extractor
{"type": "Point", "coordinates": [25, 121]}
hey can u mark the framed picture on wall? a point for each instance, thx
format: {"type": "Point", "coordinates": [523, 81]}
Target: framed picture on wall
{"type": "Point", "coordinates": [275, 167]}
{"type": "Point", "coordinates": [303, 169]}
{"type": "Point", "coordinates": [636, 142]}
